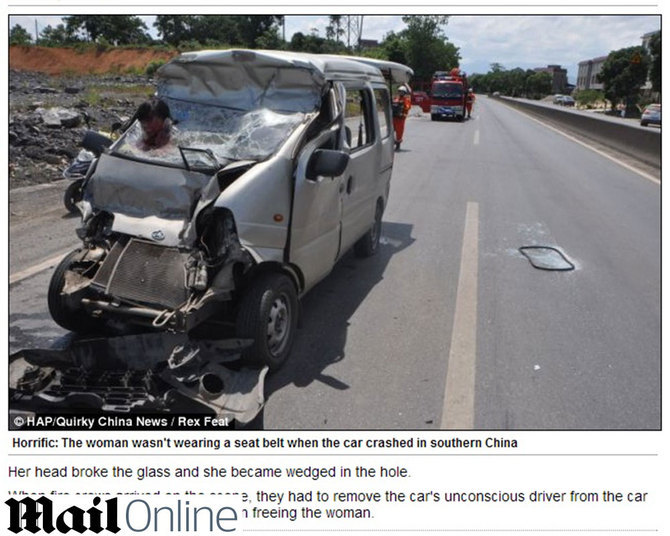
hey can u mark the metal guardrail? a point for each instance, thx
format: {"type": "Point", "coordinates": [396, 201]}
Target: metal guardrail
{"type": "Point", "coordinates": [643, 144]}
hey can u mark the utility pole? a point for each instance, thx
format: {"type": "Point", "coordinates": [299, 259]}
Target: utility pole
{"type": "Point", "coordinates": [355, 27]}
{"type": "Point", "coordinates": [36, 34]}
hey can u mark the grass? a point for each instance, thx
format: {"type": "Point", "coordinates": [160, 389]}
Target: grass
{"type": "Point", "coordinates": [96, 95]}
{"type": "Point", "coordinates": [137, 89]}
{"type": "Point", "coordinates": [93, 97]}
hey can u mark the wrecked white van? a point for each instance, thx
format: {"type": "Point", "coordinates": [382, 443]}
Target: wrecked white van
{"type": "Point", "coordinates": [278, 163]}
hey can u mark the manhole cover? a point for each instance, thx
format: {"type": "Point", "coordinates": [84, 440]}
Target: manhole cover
{"type": "Point", "coordinates": [546, 258]}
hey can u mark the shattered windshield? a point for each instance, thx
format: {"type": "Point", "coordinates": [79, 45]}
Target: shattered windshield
{"type": "Point", "coordinates": [209, 137]}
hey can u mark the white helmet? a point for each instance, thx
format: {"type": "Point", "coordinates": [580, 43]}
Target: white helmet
{"type": "Point", "coordinates": [403, 89]}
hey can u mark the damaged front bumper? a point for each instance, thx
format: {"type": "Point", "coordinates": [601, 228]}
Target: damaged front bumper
{"type": "Point", "coordinates": [156, 373]}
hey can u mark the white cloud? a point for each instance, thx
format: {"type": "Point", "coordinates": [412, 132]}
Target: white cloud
{"type": "Point", "coordinates": [536, 41]}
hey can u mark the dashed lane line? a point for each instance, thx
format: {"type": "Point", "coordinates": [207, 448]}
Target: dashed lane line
{"type": "Point", "coordinates": [459, 392]}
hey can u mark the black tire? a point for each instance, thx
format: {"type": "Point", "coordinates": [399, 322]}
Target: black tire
{"type": "Point", "coordinates": [643, 123]}
{"type": "Point", "coordinates": [433, 117]}
{"type": "Point", "coordinates": [268, 314]}
{"type": "Point", "coordinates": [64, 315]}
{"type": "Point", "coordinates": [73, 195]}
{"type": "Point", "coordinates": [368, 244]}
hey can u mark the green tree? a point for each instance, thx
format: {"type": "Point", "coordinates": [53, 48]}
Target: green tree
{"type": "Point", "coordinates": [54, 37]}
{"type": "Point", "coordinates": [623, 74]}
{"type": "Point", "coordinates": [270, 40]}
{"type": "Point", "coordinates": [174, 29]}
{"type": "Point", "coordinates": [334, 29]}
{"type": "Point", "coordinates": [655, 69]}
{"type": "Point", "coordinates": [478, 83]}
{"type": "Point", "coordinates": [393, 46]}
{"type": "Point", "coordinates": [308, 43]}
{"type": "Point", "coordinates": [513, 83]}
{"type": "Point", "coordinates": [497, 81]}
{"type": "Point", "coordinates": [18, 35]}
{"type": "Point", "coordinates": [427, 48]}
{"type": "Point", "coordinates": [249, 31]}
{"type": "Point", "coordinates": [114, 29]}
{"type": "Point", "coordinates": [516, 82]}
{"type": "Point", "coordinates": [251, 27]}
{"type": "Point", "coordinates": [221, 29]}
{"type": "Point", "coordinates": [539, 85]}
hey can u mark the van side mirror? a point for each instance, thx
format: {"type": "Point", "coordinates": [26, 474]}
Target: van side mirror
{"type": "Point", "coordinates": [95, 142]}
{"type": "Point", "coordinates": [327, 163]}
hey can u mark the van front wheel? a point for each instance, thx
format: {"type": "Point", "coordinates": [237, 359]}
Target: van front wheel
{"type": "Point", "coordinates": [368, 244]}
{"type": "Point", "coordinates": [268, 314]}
{"type": "Point", "coordinates": [66, 316]}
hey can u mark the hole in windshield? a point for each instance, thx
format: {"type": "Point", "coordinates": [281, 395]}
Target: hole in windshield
{"type": "Point", "coordinates": [209, 137]}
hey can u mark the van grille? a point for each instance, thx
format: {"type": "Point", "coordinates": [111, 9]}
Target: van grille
{"type": "Point", "coordinates": [145, 272]}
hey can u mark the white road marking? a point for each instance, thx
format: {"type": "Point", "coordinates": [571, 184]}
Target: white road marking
{"type": "Point", "coordinates": [476, 140]}
{"type": "Point", "coordinates": [590, 147]}
{"type": "Point", "coordinates": [29, 272]}
{"type": "Point", "coordinates": [459, 393]}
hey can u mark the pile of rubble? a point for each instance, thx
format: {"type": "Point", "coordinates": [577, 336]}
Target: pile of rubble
{"type": "Point", "coordinates": [48, 117]}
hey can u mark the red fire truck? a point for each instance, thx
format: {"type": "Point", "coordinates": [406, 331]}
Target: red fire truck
{"type": "Point", "coordinates": [447, 95]}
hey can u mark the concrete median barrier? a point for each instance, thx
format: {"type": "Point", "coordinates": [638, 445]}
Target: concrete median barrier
{"type": "Point", "coordinates": [641, 143]}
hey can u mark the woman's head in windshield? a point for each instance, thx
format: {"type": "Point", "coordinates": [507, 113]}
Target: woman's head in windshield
{"type": "Point", "coordinates": [154, 117]}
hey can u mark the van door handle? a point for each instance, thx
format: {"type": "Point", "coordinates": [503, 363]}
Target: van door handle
{"type": "Point", "coordinates": [350, 184]}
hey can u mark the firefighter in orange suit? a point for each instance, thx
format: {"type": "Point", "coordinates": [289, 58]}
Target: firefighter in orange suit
{"type": "Point", "coordinates": [402, 104]}
{"type": "Point", "coordinates": [469, 101]}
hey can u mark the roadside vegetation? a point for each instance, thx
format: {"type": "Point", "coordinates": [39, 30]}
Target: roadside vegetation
{"type": "Point", "coordinates": [516, 82]}
{"type": "Point", "coordinates": [590, 98]}
{"type": "Point", "coordinates": [423, 45]}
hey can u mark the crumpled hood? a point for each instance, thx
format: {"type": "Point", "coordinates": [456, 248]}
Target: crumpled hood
{"type": "Point", "coordinates": [141, 189]}
{"type": "Point", "coordinates": [148, 201]}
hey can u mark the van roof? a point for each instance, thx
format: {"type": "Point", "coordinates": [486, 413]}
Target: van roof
{"type": "Point", "coordinates": [247, 79]}
{"type": "Point", "coordinates": [330, 65]}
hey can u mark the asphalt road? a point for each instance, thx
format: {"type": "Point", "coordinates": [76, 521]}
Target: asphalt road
{"type": "Point", "coordinates": [450, 326]}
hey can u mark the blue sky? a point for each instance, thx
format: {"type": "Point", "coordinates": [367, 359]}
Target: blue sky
{"type": "Point", "coordinates": [525, 41]}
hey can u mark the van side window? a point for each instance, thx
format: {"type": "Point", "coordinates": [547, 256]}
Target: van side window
{"type": "Point", "coordinates": [382, 105]}
{"type": "Point", "coordinates": [358, 119]}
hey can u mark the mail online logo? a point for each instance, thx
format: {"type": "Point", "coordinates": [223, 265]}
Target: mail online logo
{"type": "Point", "coordinates": [41, 516]}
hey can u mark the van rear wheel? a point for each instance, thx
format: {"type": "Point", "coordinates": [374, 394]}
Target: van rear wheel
{"type": "Point", "coordinates": [268, 314]}
{"type": "Point", "coordinates": [368, 244]}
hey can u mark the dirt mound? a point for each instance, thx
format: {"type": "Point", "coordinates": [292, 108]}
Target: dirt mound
{"type": "Point", "coordinates": [59, 61]}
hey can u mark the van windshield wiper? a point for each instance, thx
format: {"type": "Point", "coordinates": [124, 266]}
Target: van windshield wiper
{"type": "Point", "coordinates": [199, 159]}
